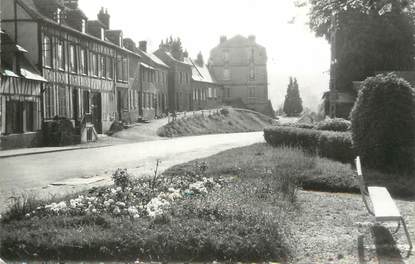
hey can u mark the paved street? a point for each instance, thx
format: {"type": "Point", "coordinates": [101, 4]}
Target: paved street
{"type": "Point", "coordinates": [63, 172]}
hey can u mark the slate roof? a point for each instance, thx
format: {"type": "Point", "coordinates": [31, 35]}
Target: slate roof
{"type": "Point", "coordinates": [200, 73]}
{"type": "Point", "coordinates": [30, 7]}
{"type": "Point", "coordinates": [151, 58]}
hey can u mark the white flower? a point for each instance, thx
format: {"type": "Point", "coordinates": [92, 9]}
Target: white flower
{"type": "Point", "coordinates": [117, 210]}
{"type": "Point", "coordinates": [136, 216]}
{"type": "Point", "coordinates": [119, 189]}
{"type": "Point", "coordinates": [132, 210]}
{"type": "Point", "coordinates": [94, 211]}
{"type": "Point", "coordinates": [156, 206]}
{"type": "Point", "coordinates": [120, 204]}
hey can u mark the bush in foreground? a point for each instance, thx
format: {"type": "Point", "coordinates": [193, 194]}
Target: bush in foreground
{"type": "Point", "coordinates": [333, 145]}
{"type": "Point", "coordinates": [383, 124]}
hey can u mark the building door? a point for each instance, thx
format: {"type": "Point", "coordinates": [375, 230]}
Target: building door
{"type": "Point", "coordinates": [96, 111]}
{"type": "Point", "coordinates": [75, 107]}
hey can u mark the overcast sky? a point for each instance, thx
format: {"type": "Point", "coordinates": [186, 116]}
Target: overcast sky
{"type": "Point", "coordinates": [292, 49]}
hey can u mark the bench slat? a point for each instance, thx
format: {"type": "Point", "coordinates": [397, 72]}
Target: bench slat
{"type": "Point", "coordinates": [384, 207]}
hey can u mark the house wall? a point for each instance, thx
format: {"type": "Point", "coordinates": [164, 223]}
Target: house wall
{"type": "Point", "coordinates": [27, 29]}
{"type": "Point", "coordinates": [242, 58]}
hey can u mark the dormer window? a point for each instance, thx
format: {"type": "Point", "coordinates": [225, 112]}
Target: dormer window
{"type": "Point", "coordinates": [58, 15]}
{"type": "Point", "coordinates": [83, 26]}
{"type": "Point", "coordinates": [102, 34]}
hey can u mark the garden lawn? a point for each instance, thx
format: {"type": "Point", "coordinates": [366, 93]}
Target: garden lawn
{"type": "Point", "coordinates": [317, 174]}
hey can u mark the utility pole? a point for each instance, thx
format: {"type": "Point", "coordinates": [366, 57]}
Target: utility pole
{"type": "Point", "coordinates": [333, 64]}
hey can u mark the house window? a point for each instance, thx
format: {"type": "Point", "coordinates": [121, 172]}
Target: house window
{"type": "Point", "coordinates": [61, 55]}
{"type": "Point", "coordinates": [83, 62]}
{"type": "Point", "coordinates": [110, 68]}
{"type": "Point", "coordinates": [251, 91]}
{"type": "Point", "coordinates": [94, 64]}
{"type": "Point", "coordinates": [226, 74]}
{"type": "Point", "coordinates": [251, 55]}
{"type": "Point", "coordinates": [62, 101]}
{"type": "Point", "coordinates": [47, 51]}
{"type": "Point", "coordinates": [103, 66]}
{"type": "Point", "coordinates": [72, 59]}
{"type": "Point", "coordinates": [226, 55]}
{"type": "Point", "coordinates": [252, 73]}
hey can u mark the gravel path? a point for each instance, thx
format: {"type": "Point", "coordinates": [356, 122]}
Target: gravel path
{"type": "Point", "coordinates": [336, 228]}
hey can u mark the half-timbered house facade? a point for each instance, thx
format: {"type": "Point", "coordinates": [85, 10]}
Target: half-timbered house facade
{"type": "Point", "coordinates": [84, 62]}
{"type": "Point", "coordinates": [20, 97]}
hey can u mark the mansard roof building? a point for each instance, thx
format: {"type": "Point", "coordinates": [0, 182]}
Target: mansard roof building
{"type": "Point", "coordinates": [240, 65]}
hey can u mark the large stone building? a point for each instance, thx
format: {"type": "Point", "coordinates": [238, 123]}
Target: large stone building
{"type": "Point", "coordinates": [240, 65]}
{"type": "Point", "coordinates": [89, 72]}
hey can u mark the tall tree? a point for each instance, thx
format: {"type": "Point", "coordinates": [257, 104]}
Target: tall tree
{"type": "Point", "coordinates": [174, 46]}
{"type": "Point", "coordinates": [293, 105]}
{"type": "Point", "coordinates": [371, 36]}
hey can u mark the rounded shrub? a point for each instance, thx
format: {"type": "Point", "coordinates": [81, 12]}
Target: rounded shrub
{"type": "Point", "coordinates": [335, 124]}
{"type": "Point", "coordinates": [383, 124]}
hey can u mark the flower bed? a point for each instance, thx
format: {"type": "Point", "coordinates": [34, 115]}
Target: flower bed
{"type": "Point", "coordinates": [132, 198]}
{"type": "Point", "coordinates": [185, 216]}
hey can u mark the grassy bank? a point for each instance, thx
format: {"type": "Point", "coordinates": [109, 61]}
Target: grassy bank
{"type": "Point", "coordinates": [228, 120]}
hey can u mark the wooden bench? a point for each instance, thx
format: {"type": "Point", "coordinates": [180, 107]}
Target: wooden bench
{"type": "Point", "coordinates": [383, 207]}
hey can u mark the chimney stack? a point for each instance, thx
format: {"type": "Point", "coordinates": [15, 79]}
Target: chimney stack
{"type": "Point", "coordinates": [142, 45]}
{"type": "Point", "coordinates": [252, 39]}
{"type": "Point", "coordinates": [104, 18]}
{"type": "Point", "coordinates": [223, 39]}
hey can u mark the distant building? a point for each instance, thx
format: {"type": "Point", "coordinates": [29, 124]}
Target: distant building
{"type": "Point", "coordinates": [85, 63]}
{"type": "Point", "coordinates": [179, 81]}
{"type": "Point", "coordinates": [206, 92]}
{"type": "Point", "coordinates": [240, 65]}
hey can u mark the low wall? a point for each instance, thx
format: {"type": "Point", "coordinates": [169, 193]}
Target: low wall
{"type": "Point", "coordinates": [26, 140]}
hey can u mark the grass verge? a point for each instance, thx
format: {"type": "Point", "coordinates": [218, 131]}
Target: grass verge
{"type": "Point", "coordinates": [229, 120]}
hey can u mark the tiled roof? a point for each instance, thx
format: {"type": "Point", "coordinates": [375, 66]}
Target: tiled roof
{"type": "Point", "coordinates": [30, 7]}
{"type": "Point", "coordinates": [200, 73]}
{"type": "Point", "coordinates": [152, 58]}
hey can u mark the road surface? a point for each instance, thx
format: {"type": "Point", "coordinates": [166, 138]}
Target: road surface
{"type": "Point", "coordinates": [69, 171]}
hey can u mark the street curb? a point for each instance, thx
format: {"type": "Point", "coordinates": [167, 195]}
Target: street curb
{"type": "Point", "coordinates": [50, 151]}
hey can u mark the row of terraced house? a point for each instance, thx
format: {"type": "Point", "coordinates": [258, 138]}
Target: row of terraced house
{"type": "Point", "coordinates": [57, 64]}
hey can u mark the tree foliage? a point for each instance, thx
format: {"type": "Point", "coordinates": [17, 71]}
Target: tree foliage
{"type": "Point", "coordinates": [293, 105]}
{"type": "Point", "coordinates": [371, 36]}
{"type": "Point", "coordinates": [174, 46]}
{"type": "Point", "coordinates": [383, 124]}
{"type": "Point", "coordinates": [199, 60]}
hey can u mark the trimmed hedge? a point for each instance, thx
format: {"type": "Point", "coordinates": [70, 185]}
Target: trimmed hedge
{"type": "Point", "coordinates": [333, 145]}
{"type": "Point", "coordinates": [335, 124]}
{"type": "Point", "coordinates": [383, 124]}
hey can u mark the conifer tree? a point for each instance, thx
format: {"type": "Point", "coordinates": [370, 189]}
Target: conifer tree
{"type": "Point", "coordinates": [293, 105]}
